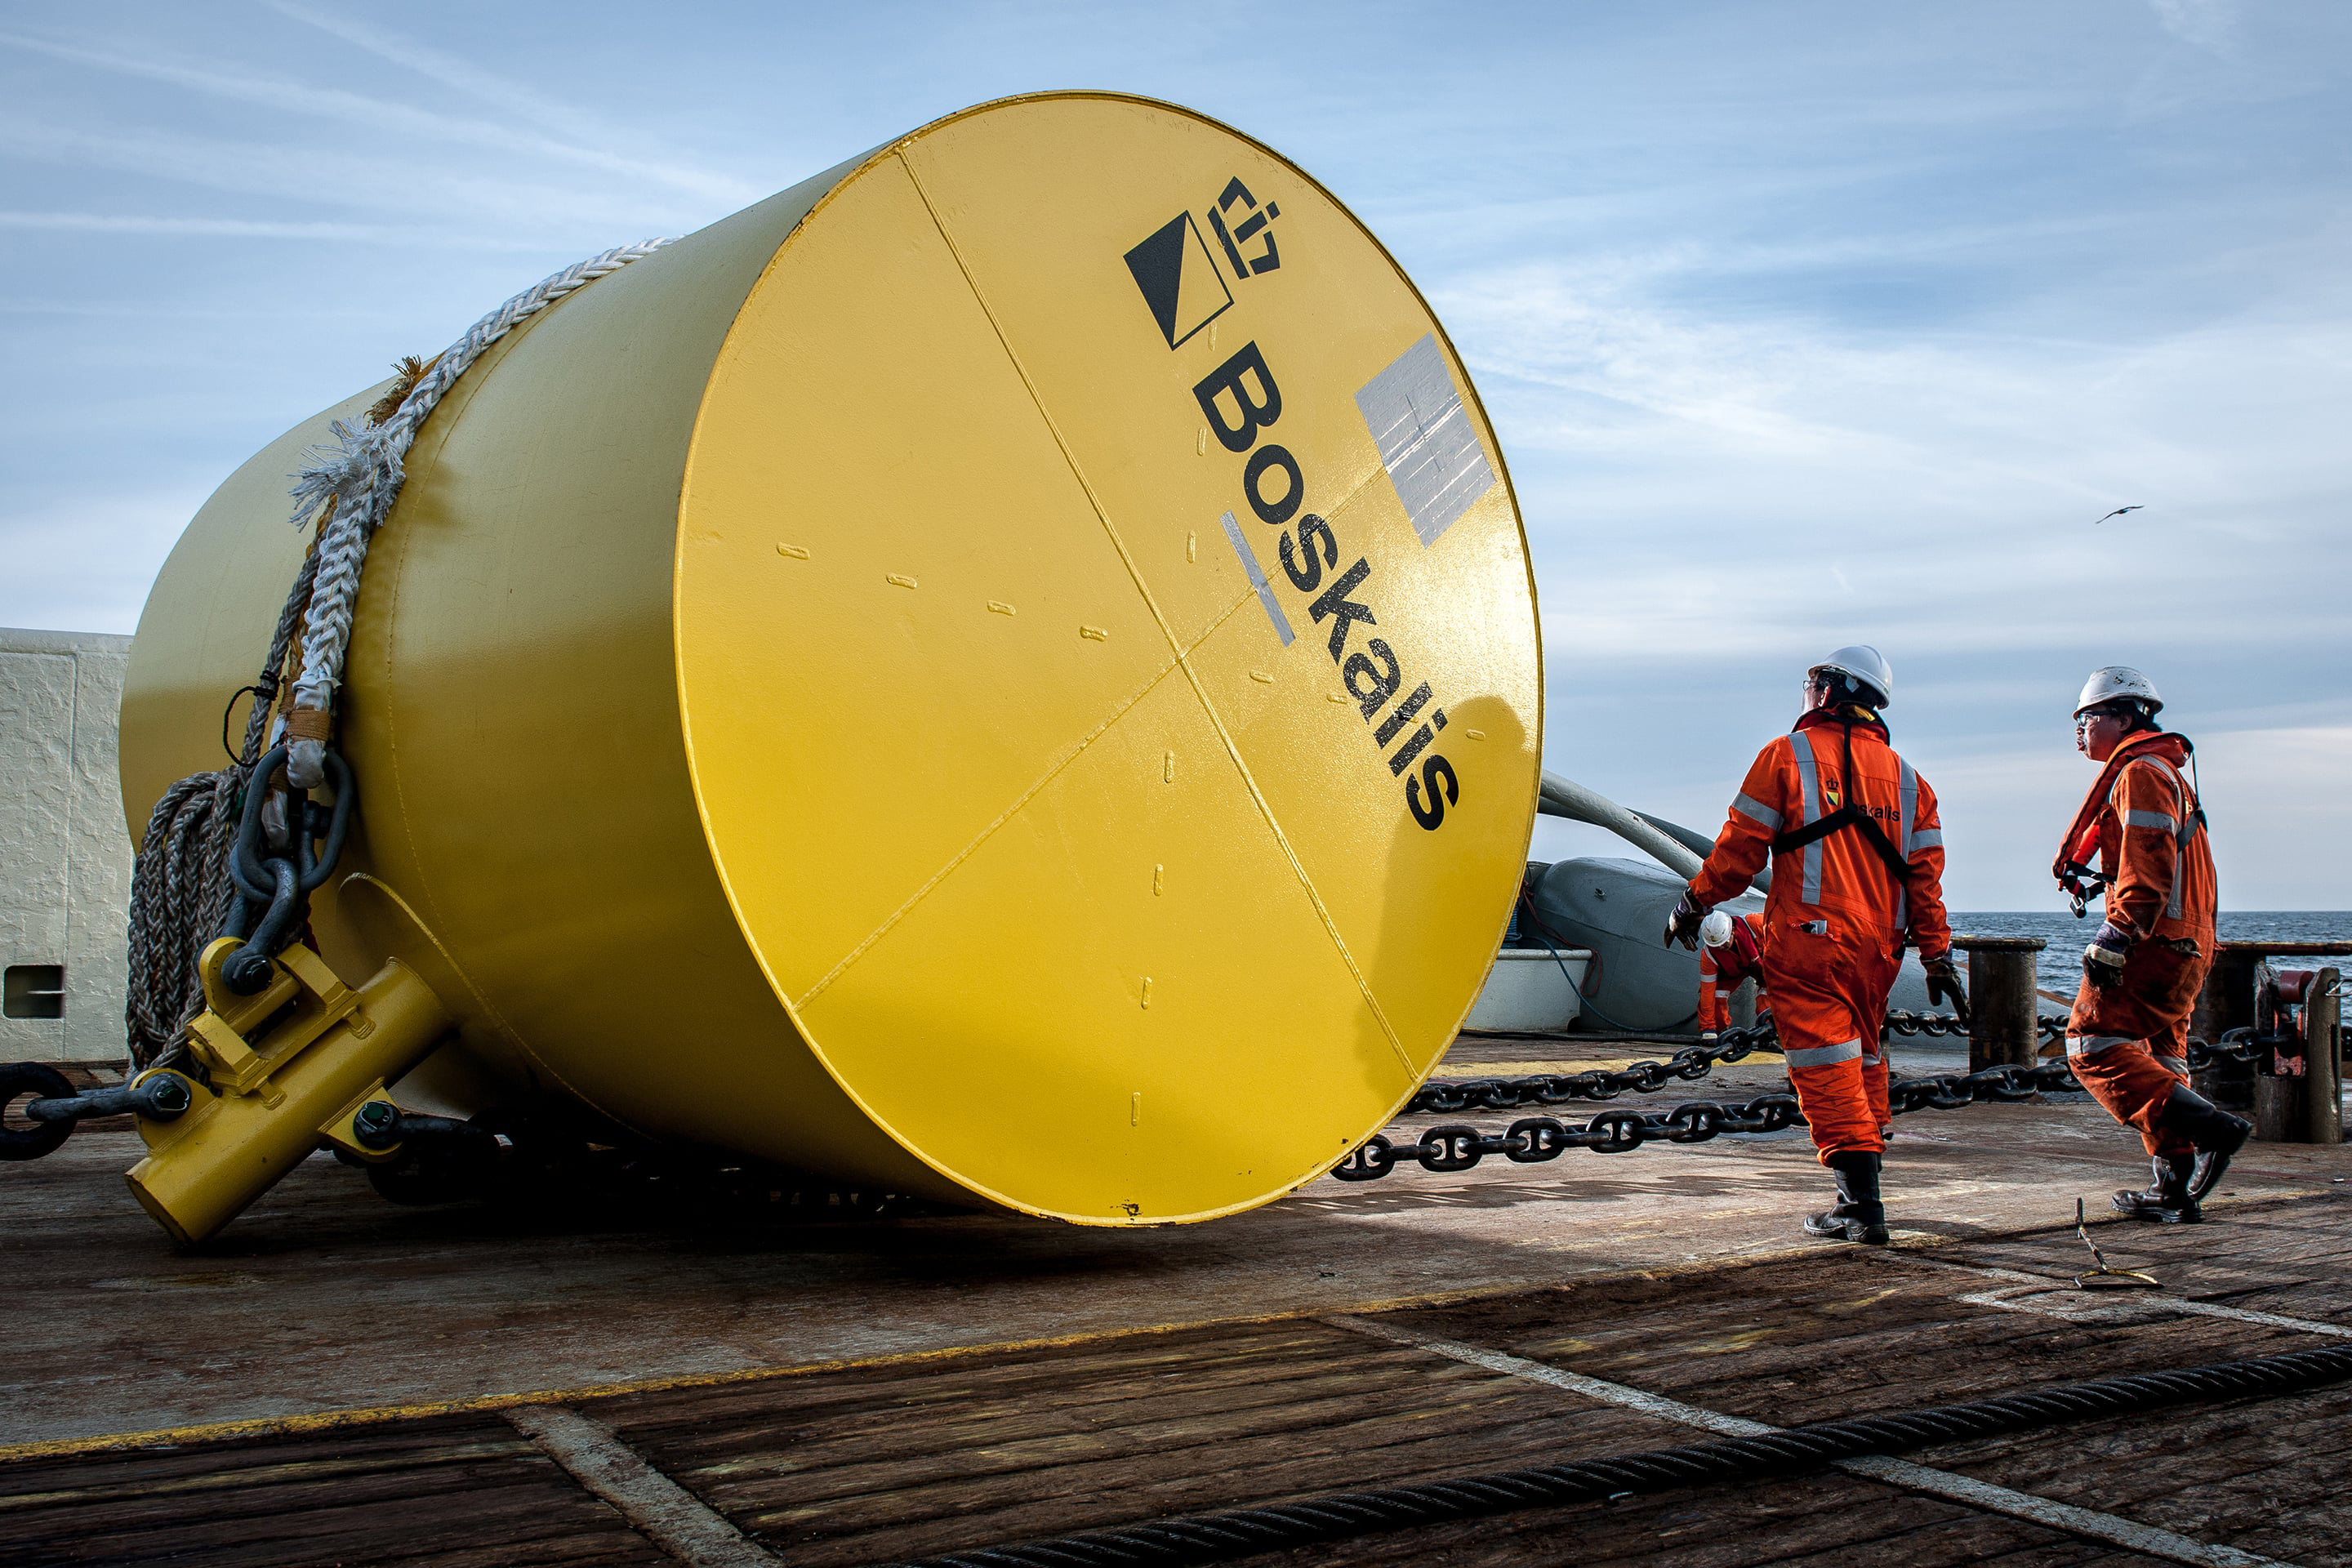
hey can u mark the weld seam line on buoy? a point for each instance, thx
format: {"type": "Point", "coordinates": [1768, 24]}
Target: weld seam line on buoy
{"type": "Point", "coordinates": [2090, 1524]}
{"type": "Point", "coordinates": [655, 1506]}
{"type": "Point", "coordinates": [1054, 770]}
{"type": "Point", "coordinates": [1184, 659]}
{"type": "Point", "coordinates": [2169, 1303]}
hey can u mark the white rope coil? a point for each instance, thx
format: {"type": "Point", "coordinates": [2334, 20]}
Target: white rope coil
{"type": "Point", "coordinates": [360, 478]}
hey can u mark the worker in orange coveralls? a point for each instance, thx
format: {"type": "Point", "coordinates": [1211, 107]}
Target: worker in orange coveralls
{"type": "Point", "coordinates": [1857, 874]}
{"type": "Point", "coordinates": [1731, 950]}
{"type": "Point", "coordinates": [2128, 1040]}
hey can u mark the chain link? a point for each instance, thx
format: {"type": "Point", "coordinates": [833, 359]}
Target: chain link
{"type": "Point", "coordinates": [1689, 1065]}
{"type": "Point", "coordinates": [2046, 1026]}
{"type": "Point", "coordinates": [1535, 1139]}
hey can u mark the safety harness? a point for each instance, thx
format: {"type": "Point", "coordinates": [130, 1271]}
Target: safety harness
{"type": "Point", "coordinates": [2078, 876]}
{"type": "Point", "coordinates": [1850, 815]}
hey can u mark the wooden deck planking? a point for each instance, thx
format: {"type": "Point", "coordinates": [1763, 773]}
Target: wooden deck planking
{"type": "Point", "coordinates": [2273, 1476]}
{"type": "Point", "coordinates": [2270, 1257]}
{"type": "Point", "coordinates": [1849, 1334]}
{"type": "Point", "coordinates": [900, 1478]}
{"type": "Point", "coordinates": [882, 1462]}
{"type": "Point", "coordinates": [1815, 1521]}
{"type": "Point", "coordinates": [452, 1492]}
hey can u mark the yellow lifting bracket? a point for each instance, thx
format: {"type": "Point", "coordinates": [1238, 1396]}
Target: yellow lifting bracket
{"type": "Point", "coordinates": [291, 1066]}
{"type": "Point", "coordinates": [319, 999]}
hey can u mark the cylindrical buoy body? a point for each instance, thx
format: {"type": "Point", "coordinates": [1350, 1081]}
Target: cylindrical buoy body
{"type": "Point", "coordinates": [1006, 671]}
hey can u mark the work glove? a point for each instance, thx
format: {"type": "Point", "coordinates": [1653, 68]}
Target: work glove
{"type": "Point", "coordinates": [2103, 961]}
{"type": "Point", "coordinates": [1944, 985]}
{"type": "Point", "coordinates": [1682, 926]}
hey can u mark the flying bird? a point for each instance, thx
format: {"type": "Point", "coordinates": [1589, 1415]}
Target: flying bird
{"type": "Point", "coordinates": [2117, 513]}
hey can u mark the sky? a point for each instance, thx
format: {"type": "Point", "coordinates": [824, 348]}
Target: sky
{"type": "Point", "coordinates": [1799, 324]}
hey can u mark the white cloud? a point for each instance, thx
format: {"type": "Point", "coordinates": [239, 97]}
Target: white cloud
{"type": "Point", "coordinates": [393, 186]}
{"type": "Point", "coordinates": [575, 134]}
{"type": "Point", "coordinates": [86, 565]}
{"type": "Point", "coordinates": [233, 229]}
{"type": "Point", "coordinates": [2208, 23]}
{"type": "Point", "coordinates": [389, 119]}
{"type": "Point", "coordinates": [1800, 327]}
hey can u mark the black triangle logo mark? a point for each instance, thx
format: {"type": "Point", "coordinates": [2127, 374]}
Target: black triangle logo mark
{"type": "Point", "coordinates": [1159, 268]}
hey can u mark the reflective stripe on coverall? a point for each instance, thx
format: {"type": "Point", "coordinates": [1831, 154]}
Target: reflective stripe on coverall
{"type": "Point", "coordinates": [2128, 1043]}
{"type": "Point", "coordinates": [1721, 969]}
{"type": "Point", "coordinates": [1837, 919]}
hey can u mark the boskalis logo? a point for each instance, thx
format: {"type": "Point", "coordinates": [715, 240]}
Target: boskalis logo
{"type": "Point", "coordinates": [1241, 400]}
{"type": "Point", "coordinates": [1181, 282]}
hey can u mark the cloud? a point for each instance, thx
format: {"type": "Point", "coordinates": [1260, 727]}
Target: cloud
{"type": "Point", "coordinates": [388, 184]}
{"type": "Point", "coordinates": [86, 565]}
{"type": "Point", "coordinates": [233, 229]}
{"type": "Point", "coordinates": [574, 130]}
{"type": "Point", "coordinates": [1798, 329]}
{"type": "Point", "coordinates": [391, 121]}
{"type": "Point", "coordinates": [1750, 484]}
{"type": "Point", "coordinates": [2208, 23]}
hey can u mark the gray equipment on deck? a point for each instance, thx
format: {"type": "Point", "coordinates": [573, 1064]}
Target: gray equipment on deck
{"type": "Point", "coordinates": [1618, 907]}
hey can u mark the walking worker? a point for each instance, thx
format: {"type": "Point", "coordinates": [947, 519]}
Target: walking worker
{"type": "Point", "coordinates": [1857, 874]}
{"type": "Point", "coordinates": [1731, 950]}
{"type": "Point", "coordinates": [2128, 1039]}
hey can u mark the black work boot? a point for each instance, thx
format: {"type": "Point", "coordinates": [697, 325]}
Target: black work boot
{"type": "Point", "coordinates": [1859, 1215]}
{"type": "Point", "coordinates": [2167, 1199]}
{"type": "Point", "coordinates": [2212, 1131]}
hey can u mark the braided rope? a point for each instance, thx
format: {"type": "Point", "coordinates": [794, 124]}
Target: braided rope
{"type": "Point", "coordinates": [357, 480]}
{"type": "Point", "coordinates": [1239, 1532]}
{"type": "Point", "coordinates": [181, 890]}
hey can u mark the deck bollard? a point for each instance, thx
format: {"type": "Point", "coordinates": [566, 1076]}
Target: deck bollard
{"type": "Point", "coordinates": [2227, 1003]}
{"type": "Point", "coordinates": [2297, 1096]}
{"type": "Point", "coordinates": [2323, 1058]}
{"type": "Point", "coordinates": [2002, 1003]}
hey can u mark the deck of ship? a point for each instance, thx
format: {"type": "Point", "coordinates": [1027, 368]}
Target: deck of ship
{"type": "Point", "coordinates": [340, 1381]}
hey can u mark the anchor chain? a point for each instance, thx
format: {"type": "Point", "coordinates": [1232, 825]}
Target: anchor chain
{"type": "Point", "coordinates": [2046, 1026]}
{"type": "Point", "coordinates": [1446, 1096]}
{"type": "Point", "coordinates": [1535, 1139]}
{"type": "Point", "coordinates": [1556, 1088]}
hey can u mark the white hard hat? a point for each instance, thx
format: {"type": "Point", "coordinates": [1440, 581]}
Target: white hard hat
{"type": "Point", "coordinates": [1866, 664]}
{"type": "Point", "coordinates": [2112, 682]}
{"type": "Point", "coordinates": [1715, 930]}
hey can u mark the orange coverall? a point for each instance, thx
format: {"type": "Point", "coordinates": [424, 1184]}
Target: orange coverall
{"type": "Point", "coordinates": [2128, 1042]}
{"type": "Point", "coordinates": [1837, 919]}
{"type": "Point", "coordinates": [1721, 969]}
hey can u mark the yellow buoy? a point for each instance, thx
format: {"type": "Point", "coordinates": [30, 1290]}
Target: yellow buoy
{"type": "Point", "coordinates": [1007, 669]}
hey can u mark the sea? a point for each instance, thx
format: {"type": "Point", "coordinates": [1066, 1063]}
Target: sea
{"type": "Point", "coordinates": [2059, 966]}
